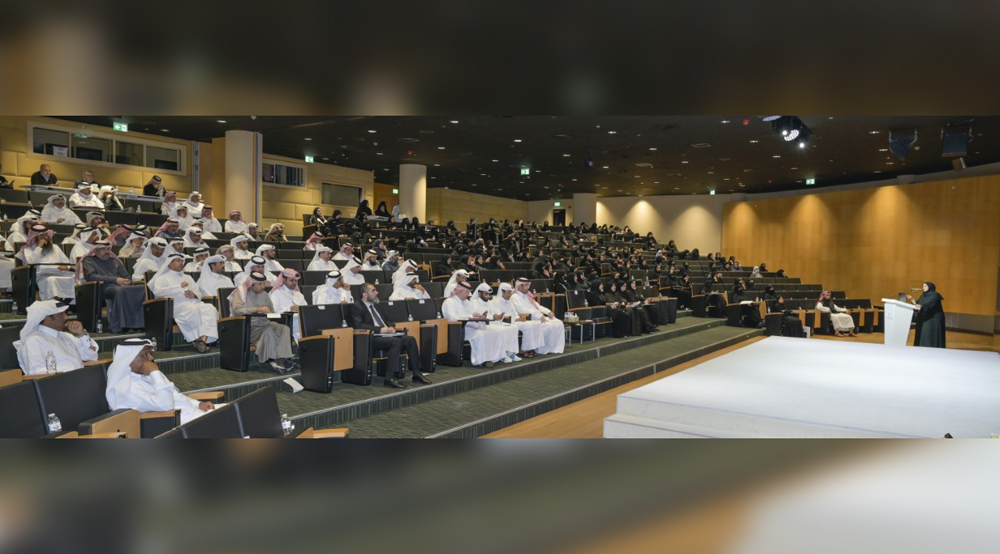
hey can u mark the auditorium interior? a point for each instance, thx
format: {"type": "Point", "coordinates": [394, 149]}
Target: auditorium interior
{"type": "Point", "coordinates": [667, 276]}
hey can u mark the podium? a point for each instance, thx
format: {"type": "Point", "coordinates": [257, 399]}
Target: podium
{"type": "Point", "coordinates": [898, 316]}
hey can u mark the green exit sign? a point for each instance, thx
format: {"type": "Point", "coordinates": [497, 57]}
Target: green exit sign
{"type": "Point", "coordinates": [309, 159]}
{"type": "Point", "coordinates": [525, 171]}
{"type": "Point", "coordinates": [120, 126]}
{"type": "Point", "coordinates": [810, 181]}
{"type": "Point", "coordinates": [395, 191]}
{"type": "Point", "coordinates": [558, 204]}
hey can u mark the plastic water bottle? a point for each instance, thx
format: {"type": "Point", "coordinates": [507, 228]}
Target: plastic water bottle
{"type": "Point", "coordinates": [100, 326]}
{"type": "Point", "coordinates": [343, 323]}
{"type": "Point", "coordinates": [585, 303]}
{"type": "Point", "coordinates": [50, 363]}
{"type": "Point", "coordinates": [54, 424]}
{"type": "Point", "coordinates": [286, 424]}
{"type": "Point", "coordinates": [376, 280]}
{"type": "Point", "coordinates": [439, 315]}
{"type": "Point", "coordinates": [409, 317]}
{"type": "Point", "coordinates": [13, 307]}
{"type": "Point", "coordinates": [152, 347]}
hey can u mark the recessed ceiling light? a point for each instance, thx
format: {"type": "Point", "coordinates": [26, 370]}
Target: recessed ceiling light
{"type": "Point", "coordinates": [883, 149]}
{"type": "Point", "coordinates": [684, 162]}
{"type": "Point", "coordinates": [440, 147]}
{"type": "Point", "coordinates": [873, 132]}
{"type": "Point", "coordinates": [437, 165]}
{"type": "Point", "coordinates": [612, 132]}
{"type": "Point", "coordinates": [307, 138]}
{"type": "Point", "coordinates": [221, 120]}
{"type": "Point", "coordinates": [517, 140]}
{"type": "Point", "coordinates": [604, 167]}
{"type": "Point", "coordinates": [168, 130]}
{"type": "Point", "coordinates": [776, 156]}
{"type": "Point", "coordinates": [725, 121]}
{"type": "Point", "coordinates": [754, 141]}
{"type": "Point", "coordinates": [378, 153]}
{"type": "Point", "coordinates": [565, 155]}
{"type": "Point", "coordinates": [652, 148]}
{"type": "Point", "coordinates": [372, 131]}
{"type": "Point", "coordinates": [454, 121]}
{"type": "Point", "coordinates": [496, 160]}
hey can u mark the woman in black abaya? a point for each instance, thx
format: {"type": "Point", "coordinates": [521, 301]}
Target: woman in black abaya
{"type": "Point", "coordinates": [619, 321]}
{"type": "Point", "coordinates": [930, 318]}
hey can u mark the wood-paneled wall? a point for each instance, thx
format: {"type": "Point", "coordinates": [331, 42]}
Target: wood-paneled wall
{"type": "Point", "coordinates": [876, 242]}
{"type": "Point", "coordinates": [383, 193]}
{"type": "Point", "coordinates": [460, 206]}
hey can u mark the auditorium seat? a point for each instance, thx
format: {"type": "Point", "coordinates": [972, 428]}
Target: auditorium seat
{"type": "Point", "coordinates": [259, 414]}
{"type": "Point", "coordinates": [21, 415]}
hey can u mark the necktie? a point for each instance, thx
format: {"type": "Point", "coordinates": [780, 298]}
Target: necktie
{"type": "Point", "coordinates": [375, 316]}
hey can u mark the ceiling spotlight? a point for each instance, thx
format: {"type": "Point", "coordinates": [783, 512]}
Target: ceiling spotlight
{"type": "Point", "coordinates": [372, 131]}
{"type": "Point", "coordinates": [454, 121]}
{"type": "Point", "coordinates": [900, 144]}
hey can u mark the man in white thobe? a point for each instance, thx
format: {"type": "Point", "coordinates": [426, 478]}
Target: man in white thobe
{"type": "Point", "coordinates": [371, 262]}
{"type": "Point", "coordinates": [322, 260]}
{"type": "Point", "coordinates": [409, 267]}
{"type": "Point", "coordinates": [255, 263]}
{"type": "Point", "coordinates": [228, 254]}
{"type": "Point", "coordinates": [391, 261]}
{"type": "Point", "coordinates": [555, 332]}
{"type": "Point", "coordinates": [88, 237]}
{"type": "Point", "coordinates": [58, 213]}
{"type": "Point", "coordinates": [409, 289]}
{"type": "Point", "coordinates": [487, 345]}
{"type": "Point", "coordinates": [135, 382]}
{"type": "Point", "coordinates": [54, 272]}
{"type": "Point", "coordinates": [47, 330]}
{"type": "Point", "coordinates": [352, 272]}
{"type": "Point", "coordinates": [212, 224]}
{"type": "Point", "coordinates": [235, 223]}
{"type": "Point", "coordinates": [241, 243]}
{"type": "Point", "coordinates": [270, 255]}
{"type": "Point", "coordinates": [198, 321]}
{"type": "Point", "coordinates": [286, 297]}
{"type": "Point", "coordinates": [333, 291]}
{"type": "Point", "coordinates": [182, 216]}
{"type": "Point", "coordinates": [481, 305]}
{"type": "Point", "coordinates": [346, 252]}
{"type": "Point", "coordinates": [193, 203]}
{"type": "Point", "coordinates": [193, 238]}
{"type": "Point", "coordinates": [84, 198]}
{"type": "Point", "coordinates": [151, 259]}
{"type": "Point", "coordinates": [212, 276]}
{"type": "Point", "coordinates": [457, 276]}
{"type": "Point", "coordinates": [532, 332]}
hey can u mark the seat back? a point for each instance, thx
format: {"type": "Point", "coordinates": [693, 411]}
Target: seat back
{"type": "Point", "coordinates": [313, 319]}
{"type": "Point", "coordinates": [259, 414]}
{"type": "Point", "coordinates": [392, 311]}
{"type": "Point", "coordinates": [314, 277]}
{"type": "Point", "coordinates": [575, 298]}
{"type": "Point", "coordinates": [422, 310]}
{"type": "Point", "coordinates": [74, 396]}
{"type": "Point", "coordinates": [21, 416]}
{"type": "Point", "coordinates": [220, 423]}
{"type": "Point", "coordinates": [224, 309]}
{"type": "Point", "coordinates": [8, 354]}
{"type": "Point", "coordinates": [384, 292]}
{"type": "Point", "coordinates": [436, 290]}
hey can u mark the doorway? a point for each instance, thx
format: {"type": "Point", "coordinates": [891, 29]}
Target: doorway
{"type": "Point", "coordinates": [559, 218]}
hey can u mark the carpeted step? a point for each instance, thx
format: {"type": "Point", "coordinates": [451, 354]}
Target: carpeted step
{"type": "Point", "coordinates": [350, 402]}
{"type": "Point", "coordinates": [480, 411]}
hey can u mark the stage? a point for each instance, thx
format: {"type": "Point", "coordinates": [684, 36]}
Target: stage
{"type": "Point", "coordinates": [787, 387]}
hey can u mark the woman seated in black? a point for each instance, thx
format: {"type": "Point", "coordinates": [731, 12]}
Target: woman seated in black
{"type": "Point", "coordinates": [443, 267]}
{"type": "Point", "coordinates": [695, 254]}
{"type": "Point", "coordinates": [382, 210]}
{"type": "Point", "coordinates": [630, 292]}
{"type": "Point", "coordinates": [651, 311]}
{"type": "Point", "coordinates": [749, 313]}
{"type": "Point", "coordinates": [715, 303]}
{"type": "Point", "coordinates": [317, 218]}
{"type": "Point", "coordinates": [791, 325]}
{"type": "Point", "coordinates": [616, 297]}
{"type": "Point", "coordinates": [770, 294]}
{"type": "Point", "coordinates": [619, 321]}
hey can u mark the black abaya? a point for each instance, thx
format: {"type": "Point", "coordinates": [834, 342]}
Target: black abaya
{"type": "Point", "coordinates": [930, 320]}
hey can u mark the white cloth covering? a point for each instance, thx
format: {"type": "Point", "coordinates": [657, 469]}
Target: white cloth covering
{"type": "Point", "coordinates": [554, 330]}
{"type": "Point", "coordinates": [235, 226]}
{"type": "Point", "coordinates": [52, 214]}
{"type": "Point", "coordinates": [487, 344]}
{"type": "Point", "coordinates": [38, 340]}
{"type": "Point", "coordinates": [329, 294]}
{"type": "Point", "coordinates": [210, 282]}
{"type": "Point", "coordinates": [508, 331]}
{"type": "Point", "coordinates": [532, 332]}
{"type": "Point", "coordinates": [194, 317]}
{"type": "Point", "coordinates": [78, 200]}
{"type": "Point", "coordinates": [145, 393]}
{"type": "Point", "coordinates": [52, 281]}
{"type": "Point", "coordinates": [404, 290]}
{"type": "Point", "coordinates": [453, 281]}
{"type": "Point", "coordinates": [283, 299]}
{"type": "Point", "coordinates": [350, 277]}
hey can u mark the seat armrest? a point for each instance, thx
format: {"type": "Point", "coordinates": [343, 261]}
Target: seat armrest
{"type": "Point", "coordinates": [311, 433]}
{"type": "Point", "coordinates": [210, 396]}
{"type": "Point", "coordinates": [156, 415]}
{"type": "Point", "coordinates": [153, 300]}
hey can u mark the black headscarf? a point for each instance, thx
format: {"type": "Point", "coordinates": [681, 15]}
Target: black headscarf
{"type": "Point", "coordinates": [931, 297]}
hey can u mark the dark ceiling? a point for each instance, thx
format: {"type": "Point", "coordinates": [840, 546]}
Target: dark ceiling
{"type": "Point", "coordinates": [486, 153]}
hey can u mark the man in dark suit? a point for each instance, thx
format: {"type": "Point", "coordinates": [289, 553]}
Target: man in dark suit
{"type": "Point", "coordinates": [365, 316]}
{"type": "Point", "coordinates": [44, 176]}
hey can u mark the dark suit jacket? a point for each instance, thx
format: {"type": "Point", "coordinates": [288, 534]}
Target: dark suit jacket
{"type": "Point", "coordinates": [361, 318]}
{"type": "Point", "coordinates": [37, 179]}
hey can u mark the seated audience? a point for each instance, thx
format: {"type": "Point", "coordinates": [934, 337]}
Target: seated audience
{"type": "Point", "coordinates": [122, 298]}
{"type": "Point", "coordinates": [364, 316]}
{"type": "Point", "coordinates": [48, 331]}
{"type": "Point", "coordinates": [197, 320]}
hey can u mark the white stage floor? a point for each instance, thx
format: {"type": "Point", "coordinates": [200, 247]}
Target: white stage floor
{"type": "Point", "coordinates": [785, 387]}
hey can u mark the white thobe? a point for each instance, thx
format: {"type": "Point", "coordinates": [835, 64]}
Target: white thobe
{"type": "Point", "coordinates": [155, 393]}
{"type": "Point", "coordinates": [194, 208]}
{"type": "Point", "coordinates": [487, 345]}
{"type": "Point", "coordinates": [194, 317]}
{"type": "Point", "coordinates": [320, 264]}
{"type": "Point", "coordinates": [70, 351]}
{"type": "Point", "coordinates": [188, 243]}
{"type": "Point", "coordinates": [841, 320]}
{"type": "Point", "coordinates": [371, 267]}
{"type": "Point", "coordinates": [142, 266]}
{"type": "Point", "coordinates": [532, 332]}
{"type": "Point", "coordinates": [15, 237]}
{"type": "Point", "coordinates": [184, 222]}
{"type": "Point", "coordinates": [78, 200]}
{"type": "Point", "coordinates": [80, 249]}
{"type": "Point", "coordinates": [238, 280]}
{"type": "Point", "coordinates": [283, 299]}
{"type": "Point", "coordinates": [555, 331]}
{"type": "Point", "coordinates": [167, 208]}
{"type": "Point", "coordinates": [242, 254]}
{"type": "Point", "coordinates": [52, 214]}
{"type": "Point", "coordinates": [235, 227]}
{"type": "Point", "coordinates": [409, 293]}
{"type": "Point", "coordinates": [352, 278]}
{"type": "Point", "coordinates": [329, 294]}
{"type": "Point", "coordinates": [273, 265]}
{"type": "Point", "coordinates": [232, 267]}
{"type": "Point", "coordinates": [341, 257]}
{"type": "Point", "coordinates": [52, 282]}
{"type": "Point", "coordinates": [210, 283]}
{"type": "Point", "coordinates": [508, 331]}
{"type": "Point", "coordinates": [212, 225]}
{"type": "Point", "coordinates": [6, 265]}
{"type": "Point", "coordinates": [192, 267]}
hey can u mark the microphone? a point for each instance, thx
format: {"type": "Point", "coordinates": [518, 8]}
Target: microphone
{"type": "Point", "coordinates": [916, 289]}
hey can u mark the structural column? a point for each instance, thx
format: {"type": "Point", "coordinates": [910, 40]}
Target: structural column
{"type": "Point", "coordinates": [584, 208]}
{"type": "Point", "coordinates": [243, 173]}
{"type": "Point", "coordinates": [413, 191]}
